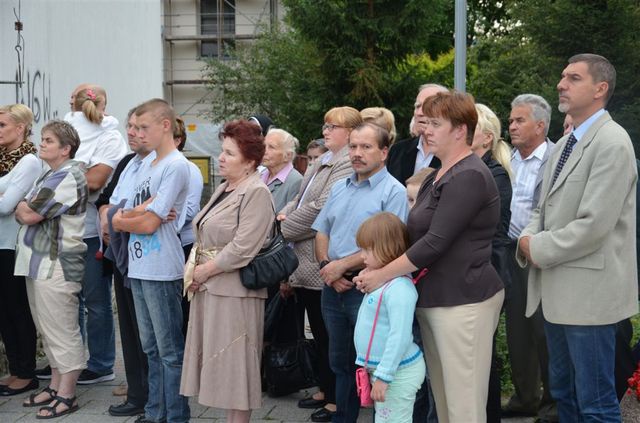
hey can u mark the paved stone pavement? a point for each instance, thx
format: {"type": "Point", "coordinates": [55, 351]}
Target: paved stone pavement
{"type": "Point", "coordinates": [94, 400]}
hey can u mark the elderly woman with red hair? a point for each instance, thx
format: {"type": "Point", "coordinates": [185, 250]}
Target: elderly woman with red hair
{"type": "Point", "coordinates": [224, 338]}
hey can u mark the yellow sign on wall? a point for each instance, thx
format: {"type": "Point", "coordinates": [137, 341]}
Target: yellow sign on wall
{"type": "Point", "coordinates": [203, 163]}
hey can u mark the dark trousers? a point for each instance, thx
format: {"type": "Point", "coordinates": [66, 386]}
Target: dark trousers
{"type": "Point", "coordinates": [135, 360]}
{"type": "Point", "coordinates": [527, 346]}
{"type": "Point", "coordinates": [310, 300]}
{"type": "Point", "coordinates": [494, 400]}
{"type": "Point", "coordinates": [16, 325]}
{"type": "Point", "coordinates": [185, 303]}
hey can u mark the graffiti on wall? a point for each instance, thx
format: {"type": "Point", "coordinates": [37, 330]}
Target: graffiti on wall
{"type": "Point", "coordinates": [35, 93]}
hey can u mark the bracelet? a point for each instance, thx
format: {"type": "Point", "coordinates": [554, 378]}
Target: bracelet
{"type": "Point", "coordinates": [323, 263]}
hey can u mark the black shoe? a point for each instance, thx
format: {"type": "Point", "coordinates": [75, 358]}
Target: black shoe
{"type": "Point", "coordinates": [87, 377]}
{"type": "Point", "coordinates": [7, 392]}
{"type": "Point", "coordinates": [143, 419]}
{"type": "Point", "coordinates": [44, 373]}
{"type": "Point", "coordinates": [125, 409]}
{"type": "Point", "coordinates": [322, 415]}
{"type": "Point", "coordinates": [311, 403]}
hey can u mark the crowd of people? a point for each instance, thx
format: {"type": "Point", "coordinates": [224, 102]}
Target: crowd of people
{"type": "Point", "coordinates": [408, 253]}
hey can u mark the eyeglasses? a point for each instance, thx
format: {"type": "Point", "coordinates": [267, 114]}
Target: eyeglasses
{"type": "Point", "coordinates": [330, 127]}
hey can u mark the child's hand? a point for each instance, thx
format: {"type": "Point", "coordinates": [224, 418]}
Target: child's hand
{"type": "Point", "coordinates": [378, 390]}
{"type": "Point", "coordinates": [368, 280]}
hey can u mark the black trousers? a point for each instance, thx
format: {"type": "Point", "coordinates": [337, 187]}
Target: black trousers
{"type": "Point", "coordinates": [309, 299]}
{"type": "Point", "coordinates": [527, 345]}
{"type": "Point", "coordinates": [494, 405]}
{"type": "Point", "coordinates": [185, 303]}
{"type": "Point", "coordinates": [135, 360]}
{"type": "Point", "coordinates": [16, 324]}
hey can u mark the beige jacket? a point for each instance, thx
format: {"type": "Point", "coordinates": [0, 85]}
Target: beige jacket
{"type": "Point", "coordinates": [239, 226]}
{"type": "Point", "coordinates": [297, 226]}
{"type": "Point", "coordinates": [583, 232]}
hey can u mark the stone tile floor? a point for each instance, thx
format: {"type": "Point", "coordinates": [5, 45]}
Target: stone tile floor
{"type": "Point", "coordinates": [94, 400]}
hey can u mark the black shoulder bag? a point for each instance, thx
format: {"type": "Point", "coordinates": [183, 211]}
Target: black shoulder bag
{"type": "Point", "coordinates": [273, 264]}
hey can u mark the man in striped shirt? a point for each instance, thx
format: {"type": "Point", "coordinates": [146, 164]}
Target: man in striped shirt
{"type": "Point", "coordinates": [528, 127]}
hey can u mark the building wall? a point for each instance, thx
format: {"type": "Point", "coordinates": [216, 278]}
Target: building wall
{"type": "Point", "coordinates": [116, 44]}
{"type": "Point", "coordinates": [182, 61]}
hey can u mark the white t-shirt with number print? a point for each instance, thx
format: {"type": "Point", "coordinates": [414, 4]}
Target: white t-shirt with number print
{"type": "Point", "coordinates": [159, 256]}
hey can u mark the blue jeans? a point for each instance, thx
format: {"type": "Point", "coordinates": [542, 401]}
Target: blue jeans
{"type": "Point", "coordinates": [581, 372]}
{"type": "Point", "coordinates": [159, 315]}
{"type": "Point", "coordinates": [96, 297]}
{"type": "Point", "coordinates": [340, 312]}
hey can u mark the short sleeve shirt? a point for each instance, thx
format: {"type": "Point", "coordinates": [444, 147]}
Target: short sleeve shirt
{"type": "Point", "coordinates": [159, 256]}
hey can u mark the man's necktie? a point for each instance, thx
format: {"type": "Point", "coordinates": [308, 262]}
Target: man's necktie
{"type": "Point", "coordinates": [568, 148]}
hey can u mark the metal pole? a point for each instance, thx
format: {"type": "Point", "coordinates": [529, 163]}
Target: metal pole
{"type": "Point", "coordinates": [460, 62]}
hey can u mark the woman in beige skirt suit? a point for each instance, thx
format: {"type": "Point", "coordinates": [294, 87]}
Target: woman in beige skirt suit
{"type": "Point", "coordinates": [224, 338]}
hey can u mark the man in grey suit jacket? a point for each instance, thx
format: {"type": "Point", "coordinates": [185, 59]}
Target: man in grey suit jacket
{"type": "Point", "coordinates": [528, 127]}
{"type": "Point", "coordinates": [581, 245]}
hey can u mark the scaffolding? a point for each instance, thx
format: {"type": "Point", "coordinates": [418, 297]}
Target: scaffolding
{"type": "Point", "coordinates": [182, 27]}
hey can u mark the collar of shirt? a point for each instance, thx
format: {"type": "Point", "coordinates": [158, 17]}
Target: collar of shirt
{"type": "Point", "coordinates": [267, 178]}
{"type": "Point", "coordinates": [584, 126]}
{"type": "Point", "coordinates": [372, 180]}
{"type": "Point", "coordinates": [537, 153]}
{"type": "Point", "coordinates": [326, 157]}
{"type": "Point", "coordinates": [422, 159]}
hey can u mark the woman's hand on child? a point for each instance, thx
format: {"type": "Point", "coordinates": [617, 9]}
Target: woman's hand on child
{"type": "Point", "coordinates": [368, 280]}
{"type": "Point", "coordinates": [378, 390]}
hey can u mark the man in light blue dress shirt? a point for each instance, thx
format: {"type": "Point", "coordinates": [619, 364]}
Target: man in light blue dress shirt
{"type": "Point", "coordinates": [370, 190]}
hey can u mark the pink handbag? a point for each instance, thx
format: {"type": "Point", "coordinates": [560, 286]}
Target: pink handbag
{"type": "Point", "coordinates": [363, 383]}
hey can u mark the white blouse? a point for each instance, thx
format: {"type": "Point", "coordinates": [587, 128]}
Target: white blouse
{"type": "Point", "coordinates": [14, 186]}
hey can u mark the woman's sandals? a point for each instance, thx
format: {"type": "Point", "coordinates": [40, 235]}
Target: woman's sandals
{"type": "Point", "coordinates": [53, 409]}
{"type": "Point", "coordinates": [31, 402]}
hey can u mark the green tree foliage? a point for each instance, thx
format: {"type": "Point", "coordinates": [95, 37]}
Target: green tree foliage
{"type": "Point", "coordinates": [278, 75]}
{"type": "Point", "coordinates": [356, 53]}
{"type": "Point", "coordinates": [539, 37]}
{"type": "Point", "coordinates": [361, 42]}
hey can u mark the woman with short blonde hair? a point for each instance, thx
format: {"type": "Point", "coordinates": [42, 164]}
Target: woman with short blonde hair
{"type": "Point", "coordinates": [382, 117]}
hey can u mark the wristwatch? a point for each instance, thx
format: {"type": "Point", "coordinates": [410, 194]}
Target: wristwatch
{"type": "Point", "coordinates": [323, 263]}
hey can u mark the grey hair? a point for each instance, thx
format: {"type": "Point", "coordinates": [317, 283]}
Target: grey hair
{"type": "Point", "coordinates": [441, 88]}
{"type": "Point", "coordinates": [288, 141]}
{"type": "Point", "coordinates": [540, 109]}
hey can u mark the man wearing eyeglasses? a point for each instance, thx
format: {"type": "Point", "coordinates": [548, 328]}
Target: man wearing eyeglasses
{"type": "Point", "coordinates": [406, 157]}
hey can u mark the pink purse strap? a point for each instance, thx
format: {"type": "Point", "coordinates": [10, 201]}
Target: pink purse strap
{"type": "Point", "coordinates": [375, 322]}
